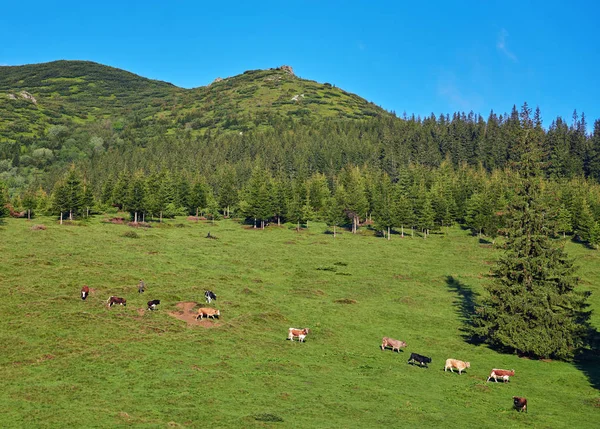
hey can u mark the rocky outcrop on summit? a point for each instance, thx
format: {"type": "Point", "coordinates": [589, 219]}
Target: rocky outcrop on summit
{"type": "Point", "coordinates": [287, 69]}
{"type": "Point", "coordinates": [219, 79]}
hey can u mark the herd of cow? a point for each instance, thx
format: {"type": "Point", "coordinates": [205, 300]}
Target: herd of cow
{"type": "Point", "coordinates": [520, 403]}
{"type": "Point", "coordinates": [115, 300]}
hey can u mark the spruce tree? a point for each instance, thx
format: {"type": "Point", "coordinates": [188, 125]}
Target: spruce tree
{"type": "Point", "coordinates": [88, 198]}
{"type": "Point", "coordinates": [335, 215]}
{"type": "Point", "coordinates": [136, 197]}
{"type": "Point", "coordinates": [383, 205]}
{"type": "Point", "coordinates": [564, 221]}
{"type": "Point", "coordinates": [533, 307]}
{"type": "Point", "coordinates": [59, 204]}
{"type": "Point", "coordinates": [584, 222]}
{"type": "Point", "coordinates": [197, 198]}
{"type": "Point", "coordinates": [3, 201]}
{"type": "Point", "coordinates": [74, 193]}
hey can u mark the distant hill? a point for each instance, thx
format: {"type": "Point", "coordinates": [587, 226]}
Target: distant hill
{"type": "Point", "coordinates": [35, 97]}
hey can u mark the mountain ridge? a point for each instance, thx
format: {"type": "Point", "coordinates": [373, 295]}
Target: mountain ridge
{"type": "Point", "coordinates": [73, 92]}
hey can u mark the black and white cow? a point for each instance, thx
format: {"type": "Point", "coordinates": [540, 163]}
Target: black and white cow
{"type": "Point", "coordinates": [210, 296]}
{"type": "Point", "coordinates": [421, 360]}
{"type": "Point", "coordinates": [152, 304]}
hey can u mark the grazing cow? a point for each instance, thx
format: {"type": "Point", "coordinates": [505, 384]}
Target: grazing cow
{"type": "Point", "coordinates": [141, 286]}
{"type": "Point", "coordinates": [152, 304]}
{"type": "Point", "coordinates": [520, 403]}
{"type": "Point", "coordinates": [85, 291]}
{"type": "Point", "coordinates": [208, 312]}
{"type": "Point", "coordinates": [210, 296]}
{"type": "Point", "coordinates": [504, 374]}
{"type": "Point", "coordinates": [300, 333]}
{"type": "Point", "coordinates": [394, 344]}
{"type": "Point", "coordinates": [422, 360]}
{"type": "Point", "coordinates": [116, 300]}
{"type": "Point", "coordinates": [458, 364]}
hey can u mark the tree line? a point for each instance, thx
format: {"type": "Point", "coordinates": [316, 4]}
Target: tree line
{"type": "Point", "coordinates": [297, 147]}
{"type": "Point", "coordinates": [420, 199]}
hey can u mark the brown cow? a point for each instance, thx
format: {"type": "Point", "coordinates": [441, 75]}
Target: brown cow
{"type": "Point", "coordinates": [502, 373]}
{"type": "Point", "coordinates": [300, 333]}
{"type": "Point", "coordinates": [116, 300]}
{"type": "Point", "coordinates": [520, 403]}
{"type": "Point", "coordinates": [458, 364]}
{"type": "Point", "coordinates": [394, 344]}
{"type": "Point", "coordinates": [85, 291]}
{"type": "Point", "coordinates": [208, 312]}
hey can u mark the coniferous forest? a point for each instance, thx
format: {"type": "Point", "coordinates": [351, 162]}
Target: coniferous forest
{"type": "Point", "coordinates": [78, 138]}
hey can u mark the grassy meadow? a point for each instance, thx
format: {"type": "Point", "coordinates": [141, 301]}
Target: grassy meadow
{"type": "Point", "coordinates": [69, 363]}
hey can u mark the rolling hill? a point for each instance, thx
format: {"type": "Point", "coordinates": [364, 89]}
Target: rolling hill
{"type": "Point", "coordinates": [75, 93]}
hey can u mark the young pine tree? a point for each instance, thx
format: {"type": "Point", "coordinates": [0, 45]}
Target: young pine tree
{"type": "Point", "coordinates": [533, 307]}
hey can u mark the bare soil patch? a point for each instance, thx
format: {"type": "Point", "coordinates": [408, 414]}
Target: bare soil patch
{"type": "Point", "coordinates": [187, 314]}
{"type": "Point", "coordinates": [345, 301]}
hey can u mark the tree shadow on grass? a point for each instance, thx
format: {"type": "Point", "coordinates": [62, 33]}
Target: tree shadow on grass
{"type": "Point", "coordinates": [465, 304]}
{"type": "Point", "coordinates": [588, 361]}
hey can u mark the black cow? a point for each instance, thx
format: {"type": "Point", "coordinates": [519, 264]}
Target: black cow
{"type": "Point", "coordinates": [520, 403]}
{"type": "Point", "coordinates": [152, 304]}
{"type": "Point", "coordinates": [421, 360]}
{"type": "Point", "coordinates": [210, 296]}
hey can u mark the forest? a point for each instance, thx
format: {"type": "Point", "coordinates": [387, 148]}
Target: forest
{"type": "Point", "coordinates": [80, 138]}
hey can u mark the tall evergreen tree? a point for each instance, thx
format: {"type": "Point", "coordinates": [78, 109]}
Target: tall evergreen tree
{"type": "Point", "coordinates": [88, 198]}
{"type": "Point", "coordinates": [3, 200]}
{"type": "Point", "coordinates": [335, 215]}
{"type": "Point", "coordinates": [136, 196]}
{"type": "Point", "coordinates": [533, 307]}
{"type": "Point", "coordinates": [197, 197]}
{"type": "Point", "coordinates": [564, 221]}
{"type": "Point", "coordinates": [74, 193]}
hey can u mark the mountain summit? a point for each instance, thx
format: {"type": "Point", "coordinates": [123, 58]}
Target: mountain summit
{"type": "Point", "coordinates": [74, 93]}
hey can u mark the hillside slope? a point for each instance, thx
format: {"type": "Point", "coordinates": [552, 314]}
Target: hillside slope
{"type": "Point", "coordinates": [72, 93]}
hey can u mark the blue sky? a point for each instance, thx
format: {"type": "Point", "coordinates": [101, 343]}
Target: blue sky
{"type": "Point", "coordinates": [442, 57]}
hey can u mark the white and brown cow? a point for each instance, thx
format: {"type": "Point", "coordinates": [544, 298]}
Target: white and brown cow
{"type": "Point", "coordinates": [85, 291]}
{"type": "Point", "coordinates": [458, 364]}
{"type": "Point", "coordinates": [208, 312]}
{"type": "Point", "coordinates": [394, 344]}
{"type": "Point", "coordinates": [300, 333]}
{"type": "Point", "coordinates": [504, 374]}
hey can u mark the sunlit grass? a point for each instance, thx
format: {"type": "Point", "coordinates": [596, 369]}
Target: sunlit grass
{"type": "Point", "coordinates": [68, 363]}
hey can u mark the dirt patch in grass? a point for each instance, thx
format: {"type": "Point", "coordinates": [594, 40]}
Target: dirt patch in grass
{"type": "Point", "coordinates": [188, 315]}
{"type": "Point", "coordinates": [141, 311]}
{"type": "Point", "coordinates": [116, 220]}
{"type": "Point", "coordinates": [345, 301]}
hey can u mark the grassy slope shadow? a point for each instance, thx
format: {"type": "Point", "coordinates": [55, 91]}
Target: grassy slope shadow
{"type": "Point", "coordinates": [465, 304]}
{"type": "Point", "coordinates": [588, 361]}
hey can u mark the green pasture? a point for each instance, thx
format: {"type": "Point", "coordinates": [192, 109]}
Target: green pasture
{"type": "Point", "coordinates": [69, 363]}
